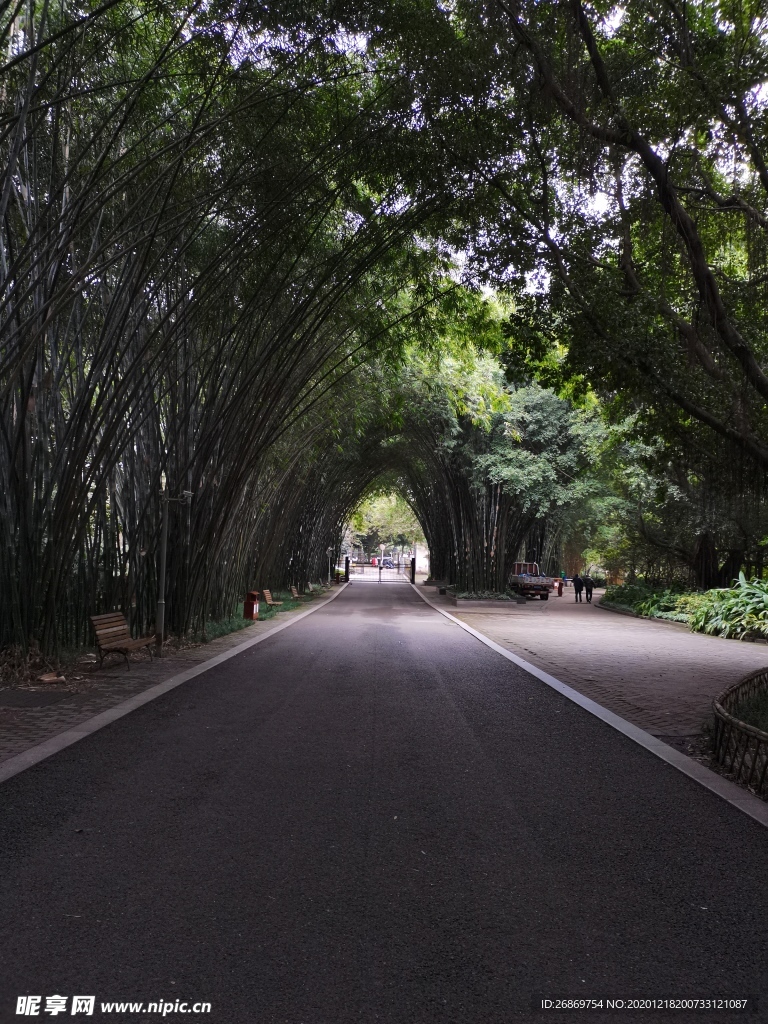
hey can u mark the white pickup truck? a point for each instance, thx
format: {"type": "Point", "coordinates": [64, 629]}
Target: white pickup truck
{"type": "Point", "coordinates": [527, 581]}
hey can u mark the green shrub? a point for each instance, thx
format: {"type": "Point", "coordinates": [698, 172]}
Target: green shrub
{"type": "Point", "coordinates": [658, 602]}
{"type": "Point", "coordinates": [670, 603]}
{"type": "Point", "coordinates": [628, 595]}
{"type": "Point", "coordinates": [739, 612]}
{"type": "Point", "coordinates": [688, 603]}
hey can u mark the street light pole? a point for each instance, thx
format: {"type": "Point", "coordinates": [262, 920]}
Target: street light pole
{"type": "Point", "coordinates": [329, 552]}
{"type": "Point", "coordinates": [165, 501]}
{"type": "Point", "coordinates": [160, 616]}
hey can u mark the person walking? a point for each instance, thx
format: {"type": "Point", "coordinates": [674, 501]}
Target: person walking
{"type": "Point", "coordinates": [589, 584]}
{"type": "Point", "coordinates": [578, 586]}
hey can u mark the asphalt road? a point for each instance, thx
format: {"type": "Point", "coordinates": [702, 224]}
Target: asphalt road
{"type": "Point", "coordinates": [372, 817]}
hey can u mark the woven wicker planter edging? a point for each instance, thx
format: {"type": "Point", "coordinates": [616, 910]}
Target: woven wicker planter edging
{"type": "Point", "coordinates": [739, 747]}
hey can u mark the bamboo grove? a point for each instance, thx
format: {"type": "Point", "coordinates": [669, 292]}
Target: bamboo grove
{"type": "Point", "coordinates": [189, 266]}
{"type": "Point", "coordinates": [225, 229]}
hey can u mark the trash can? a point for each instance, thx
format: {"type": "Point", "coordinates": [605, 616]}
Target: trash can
{"type": "Point", "coordinates": [251, 605]}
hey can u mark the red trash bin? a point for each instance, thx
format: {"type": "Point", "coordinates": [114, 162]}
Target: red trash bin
{"type": "Point", "coordinates": [251, 605]}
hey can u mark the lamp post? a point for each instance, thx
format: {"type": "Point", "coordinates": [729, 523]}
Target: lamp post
{"type": "Point", "coordinates": [165, 501]}
{"type": "Point", "coordinates": [329, 552]}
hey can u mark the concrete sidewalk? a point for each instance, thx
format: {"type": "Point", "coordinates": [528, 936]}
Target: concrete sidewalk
{"type": "Point", "coordinates": [655, 674]}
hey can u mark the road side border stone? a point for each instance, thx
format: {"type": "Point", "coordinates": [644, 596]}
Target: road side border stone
{"type": "Point", "coordinates": [34, 755]}
{"type": "Point", "coordinates": [645, 618]}
{"type": "Point", "coordinates": [464, 605]}
{"type": "Point", "coordinates": [739, 798]}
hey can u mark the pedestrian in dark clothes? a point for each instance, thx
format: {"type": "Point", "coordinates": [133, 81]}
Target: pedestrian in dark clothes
{"type": "Point", "coordinates": [578, 586]}
{"type": "Point", "coordinates": [589, 585]}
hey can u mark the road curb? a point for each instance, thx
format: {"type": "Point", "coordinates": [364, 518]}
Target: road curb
{"type": "Point", "coordinates": [620, 611]}
{"type": "Point", "coordinates": [736, 796]}
{"type": "Point", "coordinates": [41, 751]}
{"type": "Point", "coordinates": [615, 610]}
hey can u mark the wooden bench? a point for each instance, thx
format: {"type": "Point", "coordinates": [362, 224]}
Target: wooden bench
{"type": "Point", "coordinates": [296, 595]}
{"type": "Point", "coordinates": [114, 637]}
{"type": "Point", "coordinates": [268, 599]}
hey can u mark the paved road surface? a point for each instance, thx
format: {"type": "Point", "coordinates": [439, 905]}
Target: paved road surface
{"type": "Point", "coordinates": [372, 817]}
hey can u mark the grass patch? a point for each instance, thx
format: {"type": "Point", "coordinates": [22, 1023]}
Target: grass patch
{"type": "Point", "coordinates": [222, 627]}
{"type": "Point", "coordinates": [754, 711]}
{"type": "Point", "coordinates": [265, 612]}
{"type": "Point", "coordinates": [213, 630]}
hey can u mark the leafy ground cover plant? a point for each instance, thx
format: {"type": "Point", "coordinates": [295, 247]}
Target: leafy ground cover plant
{"type": "Point", "coordinates": [627, 595]}
{"type": "Point", "coordinates": [670, 603]}
{"type": "Point", "coordinates": [739, 612]}
{"type": "Point", "coordinates": [659, 604]}
{"type": "Point", "coordinates": [689, 602]}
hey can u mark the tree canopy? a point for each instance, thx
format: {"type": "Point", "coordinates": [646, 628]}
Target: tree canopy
{"type": "Point", "coordinates": [275, 252]}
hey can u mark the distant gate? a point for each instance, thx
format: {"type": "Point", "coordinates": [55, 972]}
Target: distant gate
{"type": "Point", "coordinates": [360, 572]}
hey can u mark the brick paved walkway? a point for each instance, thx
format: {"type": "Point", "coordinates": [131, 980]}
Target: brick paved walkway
{"type": "Point", "coordinates": [89, 691]}
{"type": "Point", "coordinates": [655, 674]}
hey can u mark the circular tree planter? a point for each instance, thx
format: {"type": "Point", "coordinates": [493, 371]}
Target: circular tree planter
{"type": "Point", "coordinates": [741, 748]}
